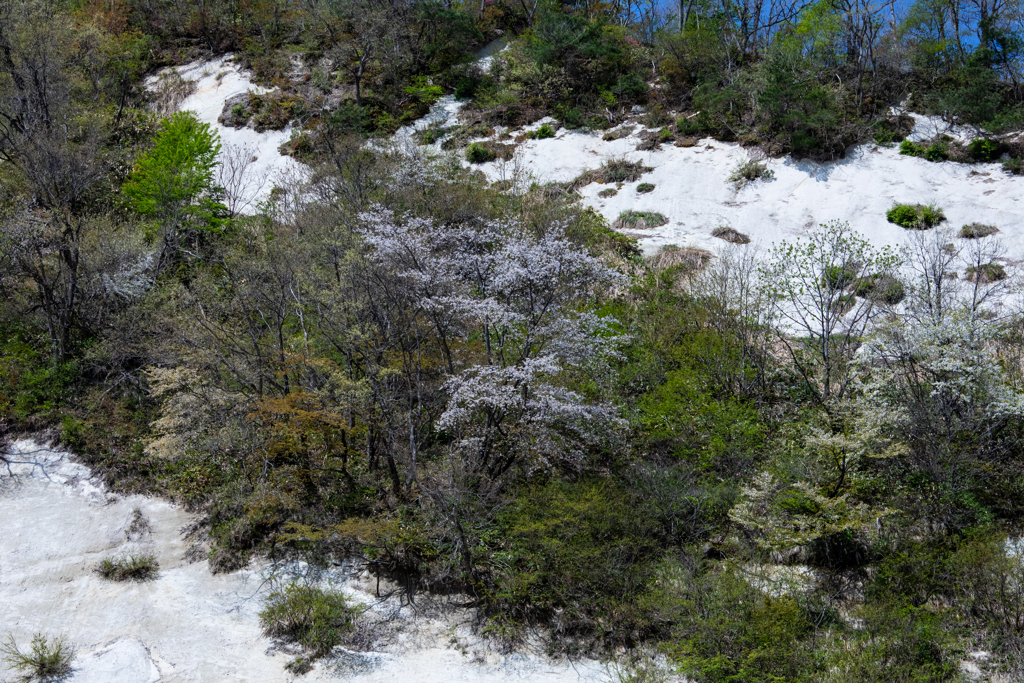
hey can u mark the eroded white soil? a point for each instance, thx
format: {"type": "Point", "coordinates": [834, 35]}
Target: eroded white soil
{"type": "Point", "coordinates": [691, 187]}
{"type": "Point", "coordinates": [57, 523]}
{"type": "Point", "coordinates": [693, 192]}
{"type": "Point", "coordinates": [216, 81]}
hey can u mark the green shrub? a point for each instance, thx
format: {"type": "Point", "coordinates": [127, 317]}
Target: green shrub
{"type": "Point", "coordinates": [937, 151]}
{"type": "Point", "coordinates": [644, 188]}
{"type": "Point", "coordinates": [128, 567]}
{"type": "Point", "coordinates": [466, 87]}
{"type": "Point", "coordinates": [1014, 166]}
{"type": "Point", "coordinates": [544, 132]}
{"type": "Point", "coordinates": [571, 117]}
{"type": "Point", "coordinates": [350, 118]}
{"type": "Point", "coordinates": [275, 112]}
{"type": "Point", "coordinates": [686, 125]}
{"type": "Point", "coordinates": [885, 136]}
{"type": "Point", "coordinates": [431, 134]}
{"type": "Point", "coordinates": [665, 135]}
{"type": "Point", "coordinates": [988, 272]}
{"type": "Point", "coordinates": [307, 616]}
{"type": "Point", "coordinates": [622, 171]}
{"type": "Point", "coordinates": [900, 644]}
{"type": "Point", "coordinates": [689, 416]}
{"type": "Point", "coordinates": [723, 629]}
{"type": "Point", "coordinates": [903, 215]}
{"type": "Point", "coordinates": [750, 171]}
{"type": "Point", "coordinates": [639, 220]}
{"type": "Point", "coordinates": [477, 153]}
{"type": "Point", "coordinates": [893, 129]}
{"type": "Point", "coordinates": [630, 86]}
{"type": "Point", "coordinates": [49, 659]}
{"type": "Point", "coordinates": [983, 149]}
{"type": "Point", "coordinates": [71, 432]}
{"type": "Point", "coordinates": [838, 277]}
{"type": "Point", "coordinates": [592, 231]}
{"type": "Point", "coordinates": [607, 192]}
{"type": "Point", "coordinates": [30, 382]}
{"type": "Point", "coordinates": [931, 216]}
{"type": "Point", "coordinates": [915, 216]}
{"type": "Point", "coordinates": [577, 549]}
{"type": "Point", "coordinates": [794, 112]}
{"type": "Point", "coordinates": [977, 230]}
{"type": "Point", "coordinates": [911, 149]}
{"type": "Point", "coordinates": [884, 288]}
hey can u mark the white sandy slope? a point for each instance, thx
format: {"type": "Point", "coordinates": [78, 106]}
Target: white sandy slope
{"type": "Point", "coordinates": [217, 80]}
{"type": "Point", "coordinates": [220, 78]}
{"type": "Point", "coordinates": [445, 110]}
{"type": "Point", "coordinates": [691, 184]}
{"type": "Point", "coordinates": [57, 523]}
{"type": "Point", "coordinates": [692, 190]}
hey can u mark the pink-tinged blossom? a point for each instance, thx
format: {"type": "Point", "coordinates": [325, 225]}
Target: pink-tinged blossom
{"type": "Point", "coordinates": [525, 297]}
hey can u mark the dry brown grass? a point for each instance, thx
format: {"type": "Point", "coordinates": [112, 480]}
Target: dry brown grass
{"type": "Point", "coordinates": [730, 235]}
{"type": "Point", "coordinates": [639, 220]}
{"type": "Point", "coordinates": [169, 91]}
{"type": "Point", "coordinates": [690, 258]}
{"type": "Point", "coordinates": [977, 230]}
{"type": "Point", "coordinates": [611, 171]}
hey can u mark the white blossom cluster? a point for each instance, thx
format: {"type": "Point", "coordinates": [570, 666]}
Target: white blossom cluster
{"type": "Point", "coordinates": [516, 303]}
{"type": "Point", "coordinates": [949, 360]}
{"type": "Point", "coordinates": [132, 278]}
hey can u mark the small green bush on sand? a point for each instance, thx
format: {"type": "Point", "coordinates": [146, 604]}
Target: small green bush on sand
{"type": "Point", "coordinates": [479, 154]}
{"type": "Point", "coordinates": [140, 567]}
{"type": "Point", "coordinates": [307, 616]}
{"type": "Point", "coordinates": [49, 659]}
{"type": "Point", "coordinates": [915, 216]}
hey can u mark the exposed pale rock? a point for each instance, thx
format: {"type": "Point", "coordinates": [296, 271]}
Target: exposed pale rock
{"type": "Point", "coordinates": [187, 624]}
{"type": "Point", "coordinates": [217, 81]}
{"type": "Point", "coordinates": [693, 192]}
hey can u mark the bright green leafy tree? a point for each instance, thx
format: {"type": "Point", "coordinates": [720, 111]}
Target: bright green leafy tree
{"type": "Point", "coordinates": [174, 184]}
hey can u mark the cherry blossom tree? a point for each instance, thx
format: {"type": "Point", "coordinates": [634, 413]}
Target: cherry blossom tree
{"type": "Point", "coordinates": [932, 379]}
{"type": "Point", "coordinates": [507, 309]}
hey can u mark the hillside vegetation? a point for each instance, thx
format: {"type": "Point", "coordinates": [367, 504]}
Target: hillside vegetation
{"type": "Point", "coordinates": [802, 467]}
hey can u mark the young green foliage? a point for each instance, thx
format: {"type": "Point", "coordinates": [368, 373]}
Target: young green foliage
{"type": "Point", "coordinates": [177, 174]}
{"type": "Point", "coordinates": [307, 616]}
{"type": "Point", "coordinates": [807, 282]}
{"type": "Point", "coordinates": [48, 660]}
{"type": "Point", "coordinates": [174, 184]}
